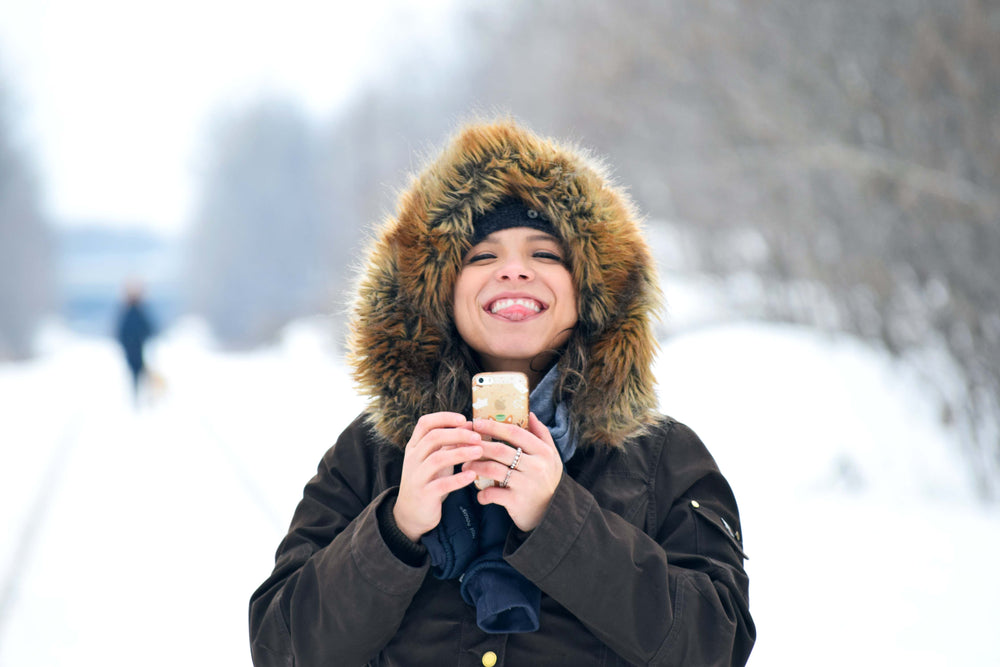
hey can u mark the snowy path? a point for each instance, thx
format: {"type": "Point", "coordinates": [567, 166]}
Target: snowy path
{"type": "Point", "coordinates": [137, 537]}
{"type": "Point", "coordinates": [144, 550]}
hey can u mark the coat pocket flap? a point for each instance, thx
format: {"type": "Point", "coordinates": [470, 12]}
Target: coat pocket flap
{"type": "Point", "coordinates": [716, 520]}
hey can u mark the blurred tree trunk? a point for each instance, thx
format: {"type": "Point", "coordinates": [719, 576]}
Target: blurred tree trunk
{"type": "Point", "coordinates": [25, 246]}
{"type": "Point", "coordinates": [258, 249]}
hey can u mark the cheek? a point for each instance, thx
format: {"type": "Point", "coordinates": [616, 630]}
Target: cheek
{"type": "Point", "coordinates": [569, 302]}
{"type": "Point", "coordinates": [462, 302]}
{"type": "Point", "coordinates": [574, 316]}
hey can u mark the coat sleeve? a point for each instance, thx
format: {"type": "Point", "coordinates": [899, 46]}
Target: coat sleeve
{"type": "Point", "coordinates": [675, 596]}
{"type": "Point", "coordinates": [337, 593]}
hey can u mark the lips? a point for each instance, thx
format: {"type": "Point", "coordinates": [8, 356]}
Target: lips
{"type": "Point", "coordinates": [515, 308]}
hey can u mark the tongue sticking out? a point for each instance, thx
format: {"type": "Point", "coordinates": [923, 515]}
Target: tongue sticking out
{"type": "Point", "coordinates": [515, 309]}
{"type": "Point", "coordinates": [514, 313]}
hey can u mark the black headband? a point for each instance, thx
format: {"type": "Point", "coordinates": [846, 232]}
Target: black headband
{"type": "Point", "coordinates": [509, 212]}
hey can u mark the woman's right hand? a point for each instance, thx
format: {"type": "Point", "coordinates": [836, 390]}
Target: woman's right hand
{"type": "Point", "coordinates": [440, 441]}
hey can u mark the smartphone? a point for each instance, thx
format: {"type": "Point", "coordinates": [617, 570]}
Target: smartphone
{"type": "Point", "coordinates": [502, 397]}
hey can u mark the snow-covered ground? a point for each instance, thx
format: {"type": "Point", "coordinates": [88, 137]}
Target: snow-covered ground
{"type": "Point", "coordinates": [135, 537]}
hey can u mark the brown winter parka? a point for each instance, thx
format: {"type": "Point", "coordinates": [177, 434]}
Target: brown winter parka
{"type": "Point", "coordinates": [639, 560]}
{"type": "Point", "coordinates": [639, 555]}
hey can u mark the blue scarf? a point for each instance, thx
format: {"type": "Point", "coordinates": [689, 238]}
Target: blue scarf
{"type": "Point", "coordinates": [554, 415]}
{"type": "Point", "coordinates": [468, 542]}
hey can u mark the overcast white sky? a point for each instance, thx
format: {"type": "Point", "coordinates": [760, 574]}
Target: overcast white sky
{"type": "Point", "coordinates": [113, 96]}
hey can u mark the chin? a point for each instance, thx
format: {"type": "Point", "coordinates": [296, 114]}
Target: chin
{"type": "Point", "coordinates": [519, 357]}
{"type": "Point", "coordinates": [509, 357]}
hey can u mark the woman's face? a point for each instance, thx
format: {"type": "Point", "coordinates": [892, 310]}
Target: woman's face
{"type": "Point", "coordinates": [515, 302]}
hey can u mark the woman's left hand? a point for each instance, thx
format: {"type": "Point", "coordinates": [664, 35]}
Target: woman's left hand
{"type": "Point", "coordinates": [532, 482]}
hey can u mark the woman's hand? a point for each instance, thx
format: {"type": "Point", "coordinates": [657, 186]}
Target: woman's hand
{"type": "Point", "coordinates": [440, 441]}
{"type": "Point", "coordinates": [532, 483]}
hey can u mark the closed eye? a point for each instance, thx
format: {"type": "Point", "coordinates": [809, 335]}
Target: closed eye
{"type": "Point", "coordinates": [480, 257]}
{"type": "Point", "coordinates": [545, 254]}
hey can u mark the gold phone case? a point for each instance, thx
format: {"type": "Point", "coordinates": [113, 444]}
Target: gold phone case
{"type": "Point", "coordinates": [503, 397]}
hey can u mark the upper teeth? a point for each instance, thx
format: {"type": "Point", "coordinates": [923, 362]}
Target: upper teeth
{"type": "Point", "coordinates": [502, 304]}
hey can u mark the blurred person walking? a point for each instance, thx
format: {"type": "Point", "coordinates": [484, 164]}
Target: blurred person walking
{"type": "Point", "coordinates": [135, 328]}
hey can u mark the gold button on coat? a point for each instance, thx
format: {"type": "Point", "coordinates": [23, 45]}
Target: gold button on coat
{"type": "Point", "coordinates": [489, 659]}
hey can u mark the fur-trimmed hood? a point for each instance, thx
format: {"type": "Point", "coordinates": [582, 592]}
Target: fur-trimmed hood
{"type": "Point", "coordinates": [404, 349]}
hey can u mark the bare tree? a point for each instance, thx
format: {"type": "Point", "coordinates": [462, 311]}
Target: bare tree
{"type": "Point", "coordinates": [25, 245]}
{"type": "Point", "coordinates": [258, 251]}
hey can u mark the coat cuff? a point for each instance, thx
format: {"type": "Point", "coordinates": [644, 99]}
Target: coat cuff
{"type": "Point", "coordinates": [375, 560]}
{"type": "Point", "coordinates": [537, 553]}
{"type": "Point", "coordinates": [411, 553]}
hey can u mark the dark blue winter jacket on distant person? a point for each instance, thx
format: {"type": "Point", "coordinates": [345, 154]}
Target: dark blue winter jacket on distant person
{"type": "Point", "coordinates": [134, 329]}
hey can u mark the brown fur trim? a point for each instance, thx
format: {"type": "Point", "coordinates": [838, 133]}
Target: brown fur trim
{"type": "Point", "coordinates": [402, 344]}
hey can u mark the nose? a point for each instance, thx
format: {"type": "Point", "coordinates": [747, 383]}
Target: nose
{"type": "Point", "coordinates": [514, 268]}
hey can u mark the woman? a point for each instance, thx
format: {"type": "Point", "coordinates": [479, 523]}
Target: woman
{"type": "Point", "coordinates": [610, 536]}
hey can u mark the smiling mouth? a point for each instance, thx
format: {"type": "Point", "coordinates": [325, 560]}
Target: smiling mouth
{"type": "Point", "coordinates": [515, 309]}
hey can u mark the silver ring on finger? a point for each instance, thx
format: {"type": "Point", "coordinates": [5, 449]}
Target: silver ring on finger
{"type": "Point", "coordinates": [506, 480]}
{"type": "Point", "coordinates": [517, 457]}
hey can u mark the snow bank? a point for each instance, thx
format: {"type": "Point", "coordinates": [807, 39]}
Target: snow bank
{"type": "Point", "coordinates": [138, 535]}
